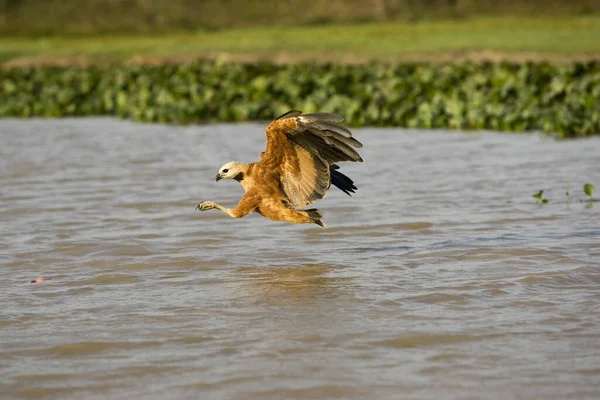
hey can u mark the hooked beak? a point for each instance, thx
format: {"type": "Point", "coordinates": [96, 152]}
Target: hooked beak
{"type": "Point", "coordinates": [218, 177]}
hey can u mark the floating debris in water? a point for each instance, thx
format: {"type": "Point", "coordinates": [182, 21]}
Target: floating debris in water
{"type": "Point", "coordinates": [40, 279]}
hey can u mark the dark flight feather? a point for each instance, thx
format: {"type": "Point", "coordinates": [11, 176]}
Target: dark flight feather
{"type": "Point", "coordinates": [341, 181]}
{"type": "Point", "coordinates": [319, 133]}
{"type": "Point", "coordinates": [289, 114]}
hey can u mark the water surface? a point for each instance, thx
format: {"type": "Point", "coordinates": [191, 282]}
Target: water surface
{"type": "Point", "coordinates": [440, 278]}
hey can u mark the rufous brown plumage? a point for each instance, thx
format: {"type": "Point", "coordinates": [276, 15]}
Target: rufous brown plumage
{"type": "Point", "coordinates": [296, 169]}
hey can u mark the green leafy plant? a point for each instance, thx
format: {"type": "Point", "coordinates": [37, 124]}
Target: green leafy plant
{"type": "Point", "coordinates": [539, 197]}
{"type": "Point", "coordinates": [588, 189]}
{"type": "Point", "coordinates": [560, 100]}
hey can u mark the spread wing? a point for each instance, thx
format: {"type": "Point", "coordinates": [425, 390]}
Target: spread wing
{"type": "Point", "coordinates": [302, 148]}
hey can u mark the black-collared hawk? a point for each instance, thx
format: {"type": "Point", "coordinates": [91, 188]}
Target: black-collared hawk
{"type": "Point", "coordinates": [296, 169]}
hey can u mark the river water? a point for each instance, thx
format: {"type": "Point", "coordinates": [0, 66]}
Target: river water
{"type": "Point", "coordinates": [441, 278]}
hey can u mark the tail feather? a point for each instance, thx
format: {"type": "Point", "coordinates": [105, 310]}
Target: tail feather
{"type": "Point", "coordinates": [315, 216]}
{"type": "Point", "coordinates": [341, 181]}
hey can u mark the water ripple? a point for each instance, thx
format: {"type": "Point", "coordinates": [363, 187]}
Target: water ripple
{"type": "Point", "coordinates": [440, 278]}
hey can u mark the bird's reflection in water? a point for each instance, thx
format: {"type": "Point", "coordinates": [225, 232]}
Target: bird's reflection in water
{"type": "Point", "coordinates": [292, 283]}
{"type": "Point", "coordinates": [302, 305]}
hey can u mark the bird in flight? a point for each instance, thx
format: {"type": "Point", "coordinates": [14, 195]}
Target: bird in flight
{"type": "Point", "coordinates": [296, 169]}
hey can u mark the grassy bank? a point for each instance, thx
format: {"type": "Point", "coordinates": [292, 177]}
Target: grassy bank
{"type": "Point", "coordinates": [560, 100]}
{"type": "Point", "coordinates": [92, 17]}
{"type": "Point", "coordinates": [560, 39]}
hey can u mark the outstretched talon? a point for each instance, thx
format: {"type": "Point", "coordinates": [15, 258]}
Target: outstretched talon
{"type": "Point", "coordinates": [205, 205]}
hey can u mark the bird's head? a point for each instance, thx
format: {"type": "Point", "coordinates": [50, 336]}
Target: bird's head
{"type": "Point", "coordinates": [231, 170]}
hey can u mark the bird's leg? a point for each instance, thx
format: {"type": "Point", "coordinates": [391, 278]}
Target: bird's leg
{"type": "Point", "coordinates": [209, 205]}
{"type": "Point", "coordinates": [246, 205]}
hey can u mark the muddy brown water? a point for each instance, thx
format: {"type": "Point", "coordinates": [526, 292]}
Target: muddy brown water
{"type": "Point", "coordinates": [440, 278]}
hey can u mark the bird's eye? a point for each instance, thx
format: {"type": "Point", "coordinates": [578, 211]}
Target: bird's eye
{"type": "Point", "coordinates": [225, 171]}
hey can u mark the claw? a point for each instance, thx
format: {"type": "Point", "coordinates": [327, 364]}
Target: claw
{"type": "Point", "coordinates": [203, 206]}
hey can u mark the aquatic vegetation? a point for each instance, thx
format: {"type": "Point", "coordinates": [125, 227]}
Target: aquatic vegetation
{"type": "Point", "coordinates": [559, 100]}
{"type": "Point", "coordinates": [539, 197]}
{"type": "Point", "coordinates": [588, 189]}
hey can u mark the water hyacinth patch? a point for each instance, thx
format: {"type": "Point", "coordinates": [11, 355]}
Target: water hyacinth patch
{"type": "Point", "coordinates": [559, 100]}
{"type": "Point", "coordinates": [588, 189]}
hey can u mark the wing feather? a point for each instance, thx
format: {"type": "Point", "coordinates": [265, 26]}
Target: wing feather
{"type": "Point", "coordinates": [289, 114]}
{"type": "Point", "coordinates": [306, 178]}
{"type": "Point", "coordinates": [302, 147]}
{"type": "Point", "coordinates": [331, 148]}
{"type": "Point", "coordinates": [321, 128]}
{"type": "Point", "coordinates": [328, 129]}
{"type": "Point", "coordinates": [329, 154]}
{"type": "Point", "coordinates": [322, 116]}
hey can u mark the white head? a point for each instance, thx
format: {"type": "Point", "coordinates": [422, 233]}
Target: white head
{"type": "Point", "coordinates": [231, 170]}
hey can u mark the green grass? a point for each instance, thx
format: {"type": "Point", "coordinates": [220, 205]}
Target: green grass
{"type": "Point", "coordinates": [47, 17]}
{"type": "Point", "coordinates": [552, 38]}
